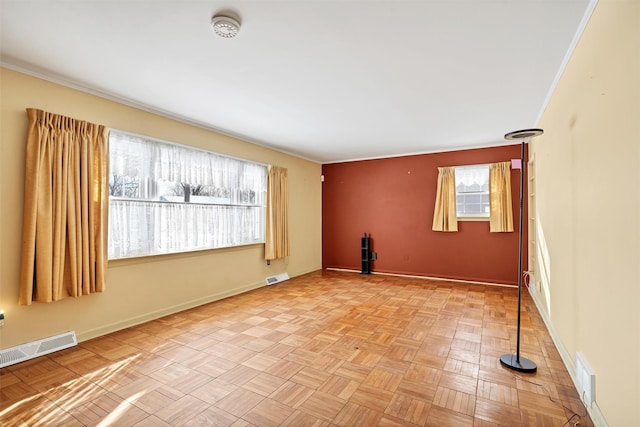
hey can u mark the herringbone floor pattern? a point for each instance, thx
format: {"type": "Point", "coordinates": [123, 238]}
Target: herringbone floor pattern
{"type": "Point", "coordinates": [325, 349]}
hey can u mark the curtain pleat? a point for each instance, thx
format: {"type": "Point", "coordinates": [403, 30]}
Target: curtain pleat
{"type": "Point", "coordinates": [277, 225]}
{"type": "Point", "coordinates": [444, 215]}
{"type": "Point", "coordinates": [65, 208]}
{"type": "Point", "coordinates": [501, 219]}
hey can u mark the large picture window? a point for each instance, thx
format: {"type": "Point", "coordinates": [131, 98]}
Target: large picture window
{"type": "Point", "coordinates": [167, 198]}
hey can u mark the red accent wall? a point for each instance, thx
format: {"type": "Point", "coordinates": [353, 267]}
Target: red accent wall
{"type": "Point", "coordinates": [392, 199]}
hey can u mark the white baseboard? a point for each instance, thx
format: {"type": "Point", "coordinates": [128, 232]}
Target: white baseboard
{"type": "Point", "coordinates": [594, 411]}
{"type": "Point", "coordinates": [137, 320]}
{"type": "Point", "coordinates": [441, 279]}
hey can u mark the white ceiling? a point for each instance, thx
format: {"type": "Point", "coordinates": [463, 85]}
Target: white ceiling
{"type": "Point", "coordinates": [325, 80]}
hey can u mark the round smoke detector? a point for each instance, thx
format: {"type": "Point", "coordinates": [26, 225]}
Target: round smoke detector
{"type": "Point", "coordinates": [225, 26]}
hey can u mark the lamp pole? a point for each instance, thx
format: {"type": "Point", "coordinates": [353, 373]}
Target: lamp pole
{"type": "Point", "coordinates": [515, 362]}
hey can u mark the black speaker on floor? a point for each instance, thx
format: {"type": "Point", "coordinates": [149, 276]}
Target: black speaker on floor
{"type": "Point", "coordinates": [365, 251]}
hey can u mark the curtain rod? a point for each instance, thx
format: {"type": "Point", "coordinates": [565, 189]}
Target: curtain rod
{"type": "Point", "coordinates": [477, 164]}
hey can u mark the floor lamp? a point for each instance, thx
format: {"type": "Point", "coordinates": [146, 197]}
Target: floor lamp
{"type": "Point", "coordinates": [511, 361]}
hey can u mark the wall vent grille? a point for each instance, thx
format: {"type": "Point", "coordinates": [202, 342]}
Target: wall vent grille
{"type": "Point", "coordinates": [585, 380]}
{"type": "Point", "coordinates": [31, 350]}
{"type": "Point", "coordinates": [272, 280]}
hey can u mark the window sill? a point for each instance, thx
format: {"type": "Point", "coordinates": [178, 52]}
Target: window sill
{"type": "Point", "coordinates": [136, 259]}
{"type": "Point", "coordinates": [473, 218]}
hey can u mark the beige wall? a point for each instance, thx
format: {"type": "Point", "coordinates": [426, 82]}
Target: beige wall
{"type": "Point", "coordinates": [588, 208]}
{"type": "Point", "coordinates": [138, 289]}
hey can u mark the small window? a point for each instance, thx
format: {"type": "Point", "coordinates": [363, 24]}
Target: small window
{"type": "Point", "coordinates": [472, 191]}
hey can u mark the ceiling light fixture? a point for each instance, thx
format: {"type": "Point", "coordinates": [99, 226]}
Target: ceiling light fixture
{"type": "Point", "coordinates": [225, 26]}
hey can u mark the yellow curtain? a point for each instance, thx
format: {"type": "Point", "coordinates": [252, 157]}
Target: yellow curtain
{"type": "Point", "coordinates": [64, 238]}
{"type": "Point", "coordinates": [277, 228]}
{"type": "Point", "coordinates": [444, 215]}
{"type": "Point", "coordinates": [501, 219]}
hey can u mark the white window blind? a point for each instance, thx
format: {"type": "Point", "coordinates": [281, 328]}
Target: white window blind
{"type": "Point", "coordinates": [167, 198]}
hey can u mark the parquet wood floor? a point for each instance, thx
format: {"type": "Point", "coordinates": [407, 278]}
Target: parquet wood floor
{"type": "Point", "coordinates": [324, 349]}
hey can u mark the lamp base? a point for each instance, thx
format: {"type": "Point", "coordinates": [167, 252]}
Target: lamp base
{"type": "Point", "coordinates": [524, 365]}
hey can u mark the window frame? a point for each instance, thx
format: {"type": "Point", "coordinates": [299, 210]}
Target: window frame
{"type": "Point", "coordinates": [259, 201]}
{"type": "Point", "coordinates": [474, 217]}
